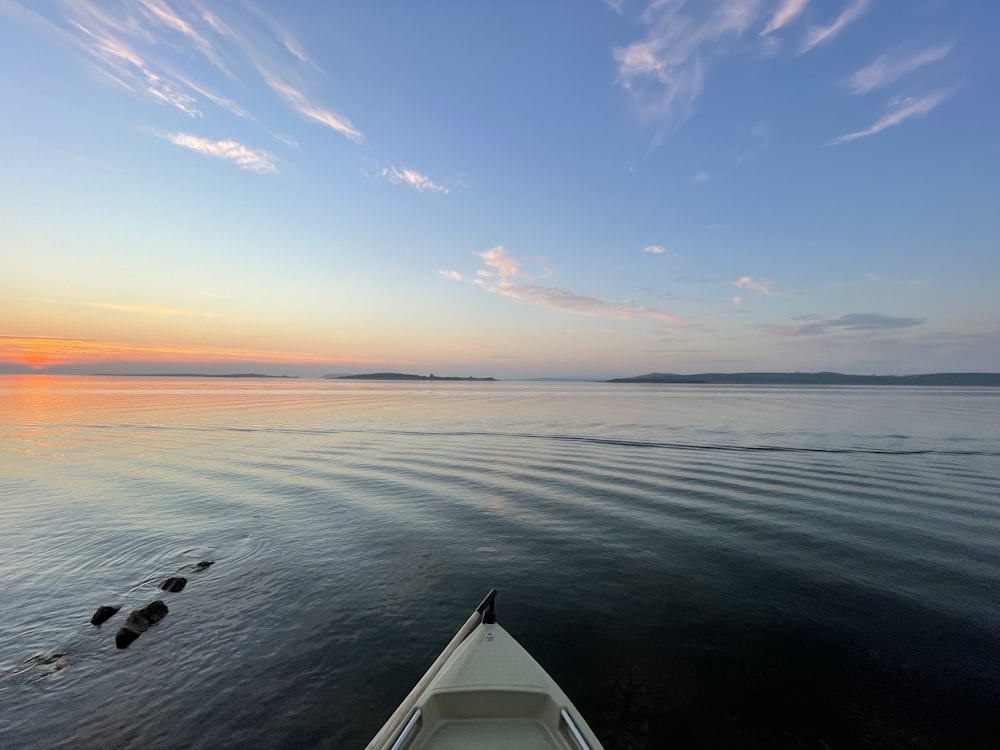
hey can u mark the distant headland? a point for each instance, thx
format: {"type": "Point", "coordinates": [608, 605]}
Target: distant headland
{"type": "Point", "coordinates": [400, 376]}
{"type": "Point", "coordinates": [189, 375]}
{"type": "Point", "coordinates": [818, 378]}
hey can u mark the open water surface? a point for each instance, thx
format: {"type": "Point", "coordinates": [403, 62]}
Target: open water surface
{"type": "Point", "coordinates": [697, 566]}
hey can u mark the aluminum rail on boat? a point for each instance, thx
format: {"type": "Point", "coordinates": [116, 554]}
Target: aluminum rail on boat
{"type": "Point", "coordinates": [485, 691]}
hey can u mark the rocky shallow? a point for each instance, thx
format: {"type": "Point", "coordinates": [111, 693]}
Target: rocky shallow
{"type": "Point", "coordinates": [142, 619]}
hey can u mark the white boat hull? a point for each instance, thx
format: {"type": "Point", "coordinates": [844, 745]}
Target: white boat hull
{"type": "Point", "coordinates": [488, 694]}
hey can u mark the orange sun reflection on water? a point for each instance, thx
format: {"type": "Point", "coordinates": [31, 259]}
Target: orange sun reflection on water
{"type": "Point", "coordinates": [27, 401]}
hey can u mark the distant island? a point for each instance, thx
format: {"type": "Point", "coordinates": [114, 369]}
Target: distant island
{"type": "Point", "coordinates": [399, 376]}
{"type": "Point", "coordinates": [188, 375]}
{"type": "Point", "coordinates": [818, 378]}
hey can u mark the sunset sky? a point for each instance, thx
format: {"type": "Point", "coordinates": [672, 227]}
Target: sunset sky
{"type": "Point", "coordinates": [511, 189]}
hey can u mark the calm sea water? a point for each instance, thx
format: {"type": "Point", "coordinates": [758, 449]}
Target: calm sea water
{"type": "Point", "coordinates": [698, 566]}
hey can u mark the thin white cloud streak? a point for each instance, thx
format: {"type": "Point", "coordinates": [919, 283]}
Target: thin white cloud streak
{"type": "Point", "coordinates": [165, 93]}
{"type": "Point", "coordinates": [892, 66]}
{"type": "Point", "coordinates": [217, 24]}
{"type": "Point", "coordinates": [564, 300]}
{"type": "Point", "coordinates": [655, 249]}
{"type": "Point", "coordinates": [787, 12]}
{"type": "Point", "coordinates": [109, 49]}
{"type": "Point", "coordinates": [289, 42]}
{"type": "Point", "coordinates": [505, 276]}
{"type": "Point", "coordinates": [293, 47]}
{"type": "Point", "coordinates": [89, 14]}
{"type": "Point", "coordinates": [652, 312]}
{"type": "Point", "coordinates": [413, 178]}
{"type": "Point", "coordinates": [701, 177]}
{"type": "Point", "coordinates": [851, 13]}
{"type": "Point", "coordinates": [216, 99]}
{"type": "Point", "coordinates": [309, 109]}
{"type": "Point", "coordinates": [159, 12]}
{"type": "Point", "coordinates": [255, 160]}
{"type": "Point", "coordinates": [907, 109]}
{"type": "Point", "coordinates": [755, 285]}
{"type": "Point", "coordinates": [665, 72]}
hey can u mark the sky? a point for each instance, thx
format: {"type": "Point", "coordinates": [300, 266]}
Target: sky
{"type": "Point", "coordinates": [572, 188]}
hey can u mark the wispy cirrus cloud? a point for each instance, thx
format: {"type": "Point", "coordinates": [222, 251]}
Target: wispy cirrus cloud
{"type": "Point", "coordinates": [413, 178]}
{"type": "Point", "coordinates": [892, 66]}
{"type": "Point", "coordinates": [848, 323]}
{"type": "Point", "coordinates": [158, 11]}
{"type": "Point", "coordinates": [787, 12]}
{"type": "Point", "coordinates": [113, 38]}
{"type": "Point", "coordinates": [197, 88]}
{"type": "Point", "coordinates": [849, 15]}
{"type": "Point", "coordinates": [103, 38]}
{"type": "Point", "coordinates": [755, 285]}
{"type": "Point", "coordinates": [146, 46]}
{"type": "Point", "coordinates": [259, 51]}
{"type": "Point", "coordinates": [164, 92]}
{"type": "Point", "coordinates": [665, 71]}
{"type": "Point", "coordinates": [900, 111]}
{"type": "Point", "coordinates": [505, 275]}
{"type": "Point", "coordinates": [310, 110]}
{"type": "Point", "coordinates": [288, 41]}
{"type": "Point", "coordinates": [255, 160]}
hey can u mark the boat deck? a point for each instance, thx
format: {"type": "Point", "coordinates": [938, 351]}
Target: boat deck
{"type": "Point", "coordinates": [493, 694]}
{"type": "Point", "coordinates": [492, 735]}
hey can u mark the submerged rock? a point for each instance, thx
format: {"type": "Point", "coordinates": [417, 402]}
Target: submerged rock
{"type": "Point", "coordinates": [55, 661]}
{"type": "Point", "coordinates": [203, 565]}
{"type": "Point", "coordinates": [139, 621]}
{"type": "Point", "coordinates": [103, 614]}
{"type": "Point", "coordinates": [175, 584]}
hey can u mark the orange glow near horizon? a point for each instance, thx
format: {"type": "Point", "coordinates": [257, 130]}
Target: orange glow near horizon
{"type": "Point", "coordinates": [41, 352]}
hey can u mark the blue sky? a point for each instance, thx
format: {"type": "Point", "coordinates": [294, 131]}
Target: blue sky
{"type": "Point", "coordinates": [574, 188]}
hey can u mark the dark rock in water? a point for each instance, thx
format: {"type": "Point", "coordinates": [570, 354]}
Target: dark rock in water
{"type": "Point", "coordinates": [149, 615]}
{"type": "Point", "coordinates": [124, 637]}
{"type": "Point", "coordinates": [203, 565]}
{"type": "Point", "coordinates": [139, 621]}
{"type": "Point", "coordinates": [103, 614]}
{"type": "Point", "coordinates": [173, 585]}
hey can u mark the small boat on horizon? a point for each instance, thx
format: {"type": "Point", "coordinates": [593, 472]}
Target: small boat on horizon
{"type": "Point", "coordinates": [485, 691]}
